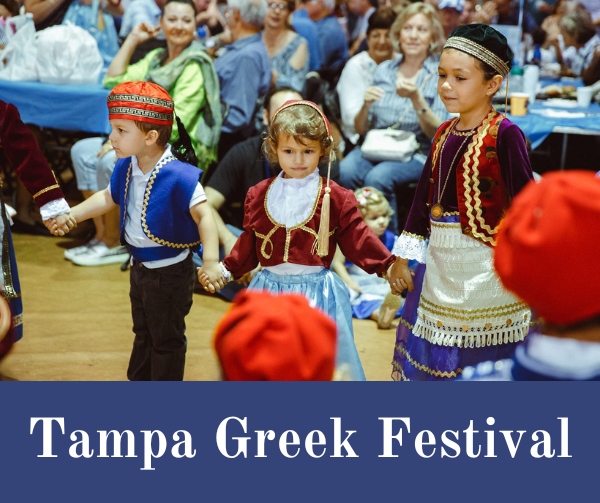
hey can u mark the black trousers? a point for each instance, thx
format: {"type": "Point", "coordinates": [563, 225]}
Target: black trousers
{"type": "Point", "coordinates": [160, 300]}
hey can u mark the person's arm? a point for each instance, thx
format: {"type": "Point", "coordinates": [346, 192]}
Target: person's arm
{"type": "Point", "coordinates": [210, 274]}
{"type": "Point", "coordinates": [189, 95]}
{"type": "Point", "coordinates": [140, 33]}
{"type": "Point", "coordinates": [361, 121]}
{"type": "Point", "coordinates": [216, 201]}
{"type": "Point", "coordinates": [428, 120]}
{"type": "Point", "coordinates": [295, 77]}
{"type": "Point", "coordinates": [590, 74]}
{"type": "Point", "coordinates": [513, 158]}
{"type": "Point", "coordinates": [340, 269]}
{"type": "Point", "coordinates": [100, 203]}
{"type": "Point", "coordinates": [241, 93]}
{"type": "Point", "coordinates": [351, 89]}
{"type": "Point", "coordinates": [32, 169]}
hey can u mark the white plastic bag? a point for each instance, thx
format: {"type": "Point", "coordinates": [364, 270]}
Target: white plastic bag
{"type": "Point", "coordinates": [70, 55]}
{"type": "Point", "coordinates": [18, 58]}
{"type": "Point", "coordinates": [389, 145]}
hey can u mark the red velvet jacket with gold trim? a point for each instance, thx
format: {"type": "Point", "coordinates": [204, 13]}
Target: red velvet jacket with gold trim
{"type": "Point", "coordinates": [270, 243]}
{"type": "Point", "coordinates": [26, 158]}
{"type": "Point", "coordinates": [479, 216]}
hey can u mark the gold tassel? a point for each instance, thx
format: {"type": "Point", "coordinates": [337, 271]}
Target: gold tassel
{"type": "Point", "coordinates": [323, 236]}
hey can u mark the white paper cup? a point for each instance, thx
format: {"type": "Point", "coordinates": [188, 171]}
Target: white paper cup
{"type": "Point", "coordinates": [584, 96]}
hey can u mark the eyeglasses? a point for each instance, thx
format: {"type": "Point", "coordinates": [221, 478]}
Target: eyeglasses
{"type": "Point", "coordinates": [280, 6]}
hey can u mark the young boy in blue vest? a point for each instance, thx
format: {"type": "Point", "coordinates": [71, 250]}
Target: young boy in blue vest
{"type": "Point", "coordinates": [164, 218]}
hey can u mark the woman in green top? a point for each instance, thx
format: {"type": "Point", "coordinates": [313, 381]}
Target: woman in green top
{"type": "Point", "coordinates": [183, 69]}
{"type": "Point", "coordinates": [187, 73]}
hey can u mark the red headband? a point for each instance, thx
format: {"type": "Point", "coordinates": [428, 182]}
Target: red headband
{"type": "Point", "coordinates": [292, 103]}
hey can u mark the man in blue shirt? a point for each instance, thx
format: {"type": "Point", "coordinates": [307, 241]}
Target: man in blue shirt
{"type": "Point", "coordinates": [244, 70]}
{"type": "Point", "coordinates": [306, 27]}
{"type": "Point", "coordinates": [334, 44]}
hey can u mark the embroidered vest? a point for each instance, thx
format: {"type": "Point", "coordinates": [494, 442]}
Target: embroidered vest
{"type": "Point", "coordinates": [166, 217]}
{"type": "Point", "coordinates": [481, 192]}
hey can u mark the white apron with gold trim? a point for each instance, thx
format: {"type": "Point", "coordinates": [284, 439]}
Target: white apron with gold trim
{"type": "Point", "coordinates": [460, 273]}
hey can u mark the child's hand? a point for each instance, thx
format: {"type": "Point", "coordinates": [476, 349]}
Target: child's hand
{"type": "Point", "coordinates": [210, 276]}
{"type": "Point", "coordinates": [61, 225]}
{"type": "Point", "coordinates": [353, 285]}
{"type": "Point", "coordinates": [400, 276]}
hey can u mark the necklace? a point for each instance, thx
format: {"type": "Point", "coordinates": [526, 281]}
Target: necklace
{"type": "Point", "coordinates": [437, 210]}
{"type": "Point", "coordinates": [462, 133]}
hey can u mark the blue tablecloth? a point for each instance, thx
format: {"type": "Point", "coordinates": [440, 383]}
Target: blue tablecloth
{"type": "Point", "coordinates": [537, 127]}
{"type": "Point", "coordinates": [66, 107]}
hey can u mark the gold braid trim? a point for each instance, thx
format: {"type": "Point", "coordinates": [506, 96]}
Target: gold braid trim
{"type": "Point", "coordinates": [473, 314]}
{"type": "Point", "coordinates": [445, 225]}
{"type": "Point", "coordinates": [43, 191]}
{"type": "Point", "coordinates": [151, 180]}
{"type": "Point", "coordinates": [267, 241]}
{"type": "Point", "coordinates": [288, 232]}
{"type": "Point", "coordinates": [416, 236]}
{"type": "Point", "coordinates": [406, 323]}
{"type": "Point", "coordinates": [127, 178]}
{"type": "Point", "coordinates": [438, 146]}
{"type": "Point", "coordinates": [423, 368]}
{"type": "Point", "coordinates": [471, 175]}
{"type": "Point", "coordinates": [479, 52]}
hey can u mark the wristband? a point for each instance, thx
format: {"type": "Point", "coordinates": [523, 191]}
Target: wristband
{"type": "Point", "coordinates": [421, 111]}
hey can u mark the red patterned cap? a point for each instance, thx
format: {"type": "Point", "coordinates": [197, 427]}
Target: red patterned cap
{"type": "Point", "coordinates": [548, 247]}
{"type": "Point", "coordinates": [266, 337]}
{"type": "Point", "coordinates": [141, 101]}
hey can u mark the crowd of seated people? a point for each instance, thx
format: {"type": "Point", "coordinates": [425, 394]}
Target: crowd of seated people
{"type": "Point", "coordinates": [378, 70]}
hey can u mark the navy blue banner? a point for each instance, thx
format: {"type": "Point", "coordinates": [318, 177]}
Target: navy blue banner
{"type": "Point", "coordinates": [484, 441]}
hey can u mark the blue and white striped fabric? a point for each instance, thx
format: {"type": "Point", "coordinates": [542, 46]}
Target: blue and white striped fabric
{"type": "Point", "coordinates": [389, 109]}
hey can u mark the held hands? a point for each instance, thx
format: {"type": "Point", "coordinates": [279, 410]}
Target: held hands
{"type": "Point", "coordinates": [400, 276]}
{"type": "Point", "coordinates": [61, 225]}
{"type": "Point", "coordinates": [211, 276]}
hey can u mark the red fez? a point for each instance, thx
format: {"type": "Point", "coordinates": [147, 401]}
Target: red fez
{"type": "Point", "coordinates": [548, 247]}
{"type": "Point", "coordinates": [141, 101]}
{"type": "Point", "coordinates": [265, 337]}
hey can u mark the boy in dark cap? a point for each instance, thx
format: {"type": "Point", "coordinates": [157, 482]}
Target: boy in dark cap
{"type": "Point", "coordinates": [457, 313]}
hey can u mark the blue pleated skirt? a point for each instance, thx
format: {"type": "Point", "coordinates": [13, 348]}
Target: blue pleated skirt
{"type": "Point", "coordinates": [326, 291]}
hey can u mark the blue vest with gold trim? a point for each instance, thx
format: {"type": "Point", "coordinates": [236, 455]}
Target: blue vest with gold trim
{"type": "Point", "coordinates": [166, 217]}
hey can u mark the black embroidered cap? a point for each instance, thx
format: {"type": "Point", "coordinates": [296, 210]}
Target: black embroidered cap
{"type": "Point", "coordinates": [484, 43]}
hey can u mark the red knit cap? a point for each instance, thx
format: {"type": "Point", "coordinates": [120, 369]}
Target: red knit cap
{"type": "Point", "coordinates": [141, 101]}
{"type": "Point", "coordinates": [548, 250]}
{"type": "Point", "coordinates": [265, 337]}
